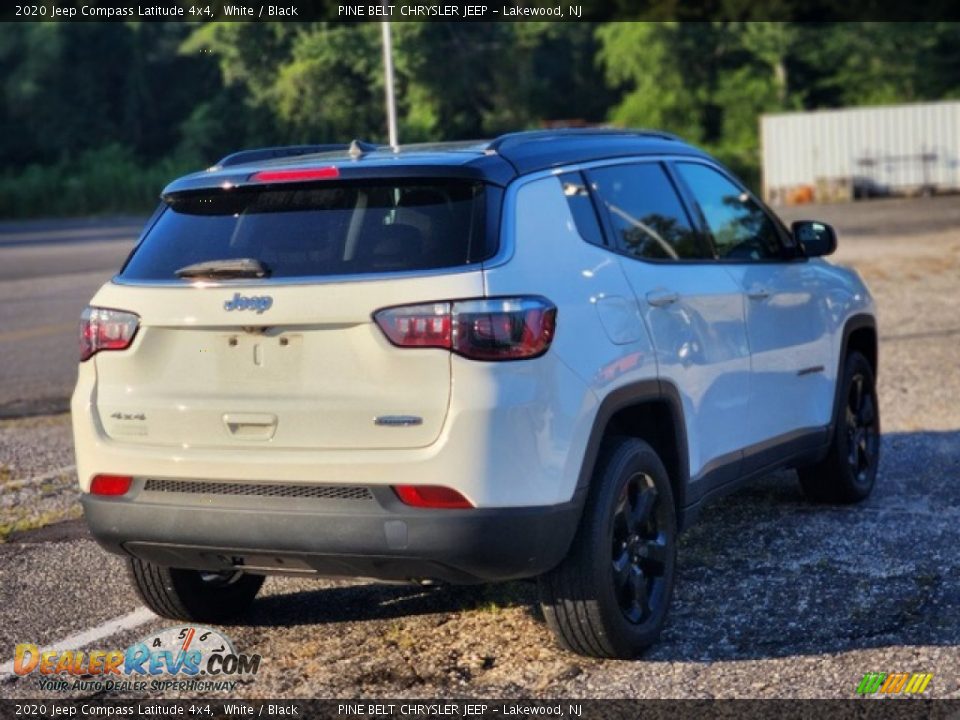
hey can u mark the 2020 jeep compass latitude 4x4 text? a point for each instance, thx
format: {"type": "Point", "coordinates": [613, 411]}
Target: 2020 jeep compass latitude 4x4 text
{"type": "Point", "coordinates": [535, 357]}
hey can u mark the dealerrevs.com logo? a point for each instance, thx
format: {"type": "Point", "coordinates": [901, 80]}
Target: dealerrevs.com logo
{"type": "Point", "coordinates": [183, 658]}
{"type": "Point", "coordinates": [894, 683]}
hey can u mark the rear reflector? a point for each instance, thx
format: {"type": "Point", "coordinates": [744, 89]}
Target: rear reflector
{"type": "Point", "coordinates": [103, 329]}
{"type": "Point", "coordinates": [302, 175]}
{"type": "Point", "coordinates": [431, 496]}
{"type": "Point", "coordinates": [514, 328]}
{"type": "Point", "coordinates": [111, 485]}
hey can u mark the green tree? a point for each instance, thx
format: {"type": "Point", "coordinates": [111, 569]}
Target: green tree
{"type": "Point", "coordinates": [323, 82]}
{"type": "Point", "coordinates": [331, 87]}
{"type": "Point", "coordinates": [871, 63]}
{"type": "Point", "coordinates": [706, 81]}
{"type": "Point", "coordinates": [85, 106]}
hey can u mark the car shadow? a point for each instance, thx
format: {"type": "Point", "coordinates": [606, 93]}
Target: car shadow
{"type": "Point", "coordinates": [768, 574]}
{"type": "Point", "coordinates": [764, 573]}
{"type": "Point", "coordinates": [374, 601]}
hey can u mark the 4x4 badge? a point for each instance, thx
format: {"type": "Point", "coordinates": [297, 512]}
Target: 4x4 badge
{"type": "Point", "coordinates": [240, 302]}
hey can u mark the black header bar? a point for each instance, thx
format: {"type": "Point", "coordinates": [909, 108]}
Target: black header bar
{"type": "Point", "coordinates": [476, 10]}
{"type": "Point", "coordinates": [433, 709]}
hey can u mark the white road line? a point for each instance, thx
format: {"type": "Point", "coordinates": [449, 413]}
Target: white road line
{"type": "Point", "coordinates": [138, 617]}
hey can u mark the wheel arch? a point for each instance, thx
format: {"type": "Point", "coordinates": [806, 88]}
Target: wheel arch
{"type": "Point", "coordinates": [862, 338]}
{"type": "Point", "coordinates": [650, 410]}
{"type": "Point", "coordinates": [859, 335]}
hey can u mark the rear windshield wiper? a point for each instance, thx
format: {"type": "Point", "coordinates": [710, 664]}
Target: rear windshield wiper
{"type": "Point", "coordinates": [233, 268]}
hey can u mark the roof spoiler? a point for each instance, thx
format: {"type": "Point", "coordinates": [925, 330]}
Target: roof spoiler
{"type": "Point", "coordinates": [272, 153]}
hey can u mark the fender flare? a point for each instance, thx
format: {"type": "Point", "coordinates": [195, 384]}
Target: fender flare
{"type": "Point", "coordinates": [853, 323]}
{"type": "Point", "coordinates": [638, 393]}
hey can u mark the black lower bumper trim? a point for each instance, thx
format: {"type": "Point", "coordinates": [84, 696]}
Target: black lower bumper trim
{"type": "Point", "coordinates": [385, 543]}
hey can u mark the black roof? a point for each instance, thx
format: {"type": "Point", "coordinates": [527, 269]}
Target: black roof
{"type": "Point", "coordinates": [498, 161]}
{"type": "Point", "coordinates": [542, 149]}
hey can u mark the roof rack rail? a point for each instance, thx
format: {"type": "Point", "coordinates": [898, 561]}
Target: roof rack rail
{"type": "Point", "coordinates": [517, 138]}
{"type": "Point", "coordinates": [282, 151]}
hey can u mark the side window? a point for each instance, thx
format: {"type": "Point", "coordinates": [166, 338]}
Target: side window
{"type": "Point", "coordinates": [645, 213]}
{"type": "Point", "coordinates": [581, 207]}
{"type": "Point", "coordinates": [741, 230]}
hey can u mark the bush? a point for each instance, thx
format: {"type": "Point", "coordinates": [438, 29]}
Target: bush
{"type": "Point", "coordinates": [104, 181]}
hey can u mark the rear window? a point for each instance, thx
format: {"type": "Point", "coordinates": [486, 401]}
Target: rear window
{"type": "Point", "coordinates": [310, 231]}
{"type": "Point", "coordinates": [645, 213]}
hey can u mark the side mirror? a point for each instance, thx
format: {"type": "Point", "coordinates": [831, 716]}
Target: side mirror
{"type": "Point", "coordinates": [816, 239]}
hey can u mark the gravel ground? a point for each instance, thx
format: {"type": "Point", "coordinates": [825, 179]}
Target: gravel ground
{"type": "Point", "coordinates": [38, 483]}
{"type": "Point", "coordinates": [775, 597]}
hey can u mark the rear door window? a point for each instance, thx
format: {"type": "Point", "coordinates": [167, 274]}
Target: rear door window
{"type": "Point", "coordinates": [645, 213]}
{"type": "Point", "coordinates": [581, 207]}
{"type": "Point", "coordinates": [328, 230]}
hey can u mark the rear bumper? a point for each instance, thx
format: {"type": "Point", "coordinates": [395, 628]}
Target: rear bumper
{"type": "Point", "coordinates": [515, 436]}
{"type": "Point", "coordinates": [380, 539]}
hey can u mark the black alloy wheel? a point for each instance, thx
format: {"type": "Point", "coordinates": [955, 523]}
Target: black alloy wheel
{"type": "Point", "coordinates": [863, 431]}
{"type": "Point", "coordinates": [639, 549]}
{"type": "Point", "coordinates": [848, 470]}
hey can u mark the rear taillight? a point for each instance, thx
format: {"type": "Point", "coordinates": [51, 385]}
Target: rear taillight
{"type": "Point", "coordinates": [491, 329]}
{"type": "Point", "coordinates": [431, 496]}
{"type": "Point", "coordinates": [103, 329]}
{"type": "Point", "coordinates": [111, 485]}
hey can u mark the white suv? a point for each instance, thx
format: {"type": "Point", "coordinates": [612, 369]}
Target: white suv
{"type": "Point", "coordinates": [535, 357]}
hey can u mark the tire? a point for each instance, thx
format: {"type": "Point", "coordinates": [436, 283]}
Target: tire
{"type": "Point", "coordinates": [193, 595]}
{"type": "Point", "coordinates": [609, 597]}
{"type": "Point", "coordinates": [848, 472]}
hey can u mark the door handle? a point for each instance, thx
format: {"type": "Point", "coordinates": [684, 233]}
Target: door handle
{"type": "Point", "coordinates": [662, 298]}
{"type": "Point", "coordinates": [758, 293]}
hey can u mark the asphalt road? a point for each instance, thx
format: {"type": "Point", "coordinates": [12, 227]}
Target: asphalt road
{"type": "Point", "coordinates": [48, 272]}
{"type": "Point", "coordinates": [775, 597]}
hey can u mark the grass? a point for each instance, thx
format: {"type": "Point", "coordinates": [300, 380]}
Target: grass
{"type": "Point", "coordinates": [25, 500]}
{"type": "Point", "coordinates": [496, 599]}
{"type": "Point", "coordinates": [49, 487]}
{"type": "Point", "coordinates": [108, 180]}
{"type": "Point", "coordinates": [491, 607]}
{"type": "Point", "coordinates": [398, 634]}
{"type": "Point", "coordinates": [37, 521]}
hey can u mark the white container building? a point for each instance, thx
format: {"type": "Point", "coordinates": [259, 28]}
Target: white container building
{"type": "Point", "coordinates": [829, 155]}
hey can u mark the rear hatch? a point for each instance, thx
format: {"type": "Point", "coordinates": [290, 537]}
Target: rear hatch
{"type": "Point", "coordinates": [256, 307]}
